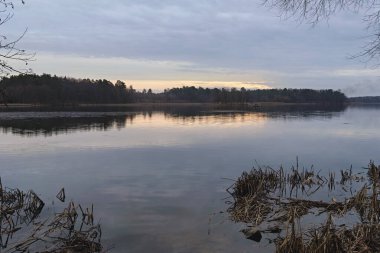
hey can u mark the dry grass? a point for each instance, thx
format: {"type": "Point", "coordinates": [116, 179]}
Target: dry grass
{"type": "Point", "coordinates": [264, 196]}
{"type": "Point", "coordinates": [22, 230]}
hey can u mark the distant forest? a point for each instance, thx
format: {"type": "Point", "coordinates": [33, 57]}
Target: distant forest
{"type": "Point", "coordinates": [54, 90]}
{"type": "Point", "coordinates": [368, 99]}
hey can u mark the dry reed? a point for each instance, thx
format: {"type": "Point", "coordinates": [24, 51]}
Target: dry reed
{"type": "Point", "coordinates": [264, 196]}
{"type": "Point", "coordinates": [22, 230]}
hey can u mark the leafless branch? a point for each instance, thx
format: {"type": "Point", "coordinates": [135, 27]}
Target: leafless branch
{"type": "Point", "coordinates": [314, 11]}
{"type": "Point", "coordinates": [10, 53]}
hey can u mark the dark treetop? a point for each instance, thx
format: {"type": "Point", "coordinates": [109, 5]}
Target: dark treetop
{"type": "Point", "coordinates": [47, 89]}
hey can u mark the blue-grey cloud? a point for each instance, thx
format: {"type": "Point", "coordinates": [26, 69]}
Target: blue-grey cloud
{"type": "Point", "coordinates": [240, 36]}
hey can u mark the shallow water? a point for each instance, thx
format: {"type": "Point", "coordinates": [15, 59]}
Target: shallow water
{"type": "Point", "coordinates": [157, 176]}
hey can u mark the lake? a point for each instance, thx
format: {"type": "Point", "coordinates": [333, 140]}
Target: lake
{"type": "Point", "coordinates": [157, 176]}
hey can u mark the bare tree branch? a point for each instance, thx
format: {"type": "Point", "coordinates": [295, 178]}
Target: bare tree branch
{"type": "Point", "coordinates": [314, 11]}
{"type": "Point", "coordinates": [10, 54]}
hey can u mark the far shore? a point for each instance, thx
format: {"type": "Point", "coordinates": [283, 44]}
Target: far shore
{"type": "Point", "coordinates": [165, 104]}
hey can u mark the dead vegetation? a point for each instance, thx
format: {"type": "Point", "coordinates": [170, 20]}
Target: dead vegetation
{"type": "Point", "coordinates": [295, 201]}
{"type": "Point", "coordinates": [23, 230]}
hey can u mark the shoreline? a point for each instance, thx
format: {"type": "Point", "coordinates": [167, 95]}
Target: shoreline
{"type": "Point", "coordinates": [174, 104]}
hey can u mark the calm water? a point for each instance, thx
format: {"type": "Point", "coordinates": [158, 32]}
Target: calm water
{"type": "Point", "coordinates": [157, 177]}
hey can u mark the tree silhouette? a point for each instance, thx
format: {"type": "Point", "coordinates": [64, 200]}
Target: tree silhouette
{"type": "Point", "coordinates": [316, 10]}
{"type": "Point", "coordinates": [54, 90]}
{"type": "Point", "coordinates": [10, 53]}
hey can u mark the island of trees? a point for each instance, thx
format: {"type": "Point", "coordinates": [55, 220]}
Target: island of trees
{"type": "Point", "coordinates": [54, 90]}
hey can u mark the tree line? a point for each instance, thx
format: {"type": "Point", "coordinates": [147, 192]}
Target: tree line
{"type": "Point", "coordinates": [54, 90]}
{"type": "Point", "coordinates": [365, 100]}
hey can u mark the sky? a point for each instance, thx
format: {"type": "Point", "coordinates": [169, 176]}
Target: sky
{"type": "Point", "coordinates": [211, 43]}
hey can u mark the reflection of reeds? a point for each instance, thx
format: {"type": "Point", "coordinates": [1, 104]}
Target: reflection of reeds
{"type": "Point", "coordinates": [262, 197]}
{"type": "Point", "coordinates": [331, 239]}
{"type": "Point", "coordinates": [72, 230]}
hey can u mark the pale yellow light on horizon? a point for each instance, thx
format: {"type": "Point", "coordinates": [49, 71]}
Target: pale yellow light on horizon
{"type": "Point", "coordinates": [160, 85]}
{"type": "Point", "coordinates": [149, 74]}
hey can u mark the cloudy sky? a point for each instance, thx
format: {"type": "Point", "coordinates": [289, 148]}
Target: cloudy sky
{"type": "Point", "coordinates": [217, 43]}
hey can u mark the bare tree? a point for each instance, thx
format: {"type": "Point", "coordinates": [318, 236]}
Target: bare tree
{"type": "Point", "coordinates": [316, 10]}
{"type": "Point", "coordinates": [10, 54]}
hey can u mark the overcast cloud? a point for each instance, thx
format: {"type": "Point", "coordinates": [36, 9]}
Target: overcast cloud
{"type": "Point", "coordinates": [210, 42]}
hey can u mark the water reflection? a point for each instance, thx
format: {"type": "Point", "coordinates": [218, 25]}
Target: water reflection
{"type": "Point", "coordinates": [62, 124]}
{"type": "Point", "coordinates": [156, 181]}
{"type": "Point", "coordinates": [49, 121]}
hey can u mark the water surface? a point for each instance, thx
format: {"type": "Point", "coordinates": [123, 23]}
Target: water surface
{"type": "Point", "coordinates": [157, 176]}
